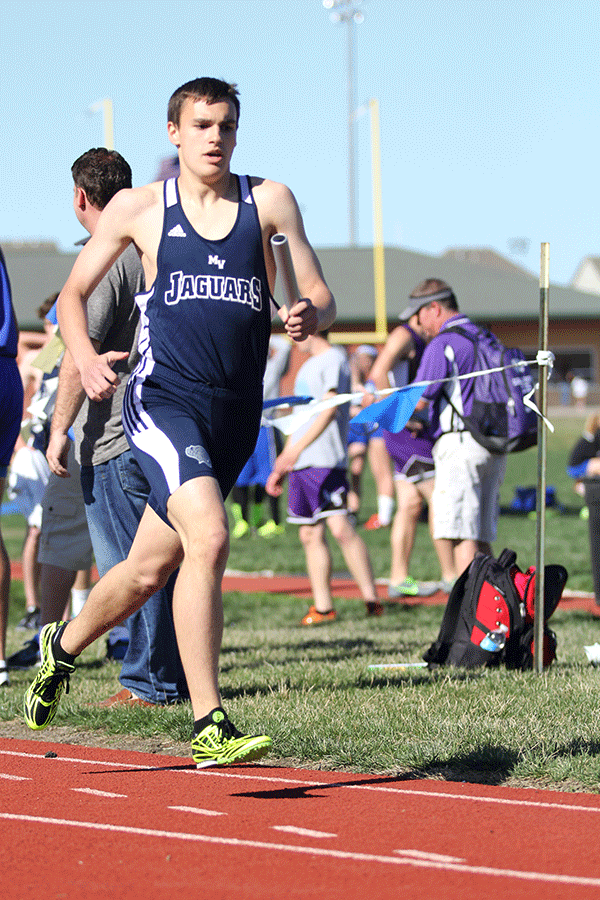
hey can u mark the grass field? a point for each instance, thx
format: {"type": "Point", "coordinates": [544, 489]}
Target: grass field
{"type": "Point", "coordinates": [313, 691]}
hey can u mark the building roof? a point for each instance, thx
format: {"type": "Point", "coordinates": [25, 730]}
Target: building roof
{"type": "Point", "coordinates": [482, 292]}
{"type": "Point", "coordinates": [484, 288]}
{"type": "Point", "coordinates": [484, 256]}
{"type": "Point", "coordinates": [36, 271]}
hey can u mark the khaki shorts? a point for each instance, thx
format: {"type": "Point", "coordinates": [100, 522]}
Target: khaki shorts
{"type": "Point", "coordinates": [65, 538]}
{"type": "Point", "coordinates": [466, 501]}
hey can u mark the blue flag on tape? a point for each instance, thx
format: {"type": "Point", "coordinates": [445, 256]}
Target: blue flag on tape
{"type": "Point", "coordinates": [289, 401]}
{"type": "Point", "coordinates": [394, 412]}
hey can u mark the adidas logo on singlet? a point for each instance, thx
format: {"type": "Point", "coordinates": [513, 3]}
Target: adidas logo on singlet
{"type": "Point", "coordinates": [177, 231]}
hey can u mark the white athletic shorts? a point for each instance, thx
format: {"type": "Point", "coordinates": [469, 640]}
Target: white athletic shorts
{"type": "Point", "coordinates": [27, 479]}
{"type": "Point", "coordinates": [466, 501]}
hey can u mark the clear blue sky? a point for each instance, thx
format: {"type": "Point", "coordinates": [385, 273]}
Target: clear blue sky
{"type": "Point", "coordinates": [489, 112]}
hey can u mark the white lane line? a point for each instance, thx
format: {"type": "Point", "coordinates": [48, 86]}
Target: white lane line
{"type": "Point", "coordinates": [200, 812]}
{"type": "Point", "coordinates": [434, 857]}
{"type": "Point", "coordinates": [548, 877]}
{"type": "Point", "coordinates": [98, 793]}
{"type": "Point", "coordinates": [212, 773]}
{"type": "Point", "coordinates": [304, 832]}
{"type": "Point", "coordinates": [14, 777]}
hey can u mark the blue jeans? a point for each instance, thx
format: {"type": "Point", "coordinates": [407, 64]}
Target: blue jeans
{"type": "Point", "coordinates": [115, 495]}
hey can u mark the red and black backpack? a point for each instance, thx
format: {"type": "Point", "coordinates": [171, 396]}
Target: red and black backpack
{"type": "Point", "coordinates": [489, 617]}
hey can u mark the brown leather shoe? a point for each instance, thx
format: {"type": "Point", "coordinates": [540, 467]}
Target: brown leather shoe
{"type": "Point", "coordinates": [124, 698]}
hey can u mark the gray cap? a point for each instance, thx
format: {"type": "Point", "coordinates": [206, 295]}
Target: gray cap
{"type": "Point", "coordinates": [417, 303]}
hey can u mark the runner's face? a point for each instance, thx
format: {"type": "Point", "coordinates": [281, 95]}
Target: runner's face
{"type": "Point", "coordinates": [206, 136]}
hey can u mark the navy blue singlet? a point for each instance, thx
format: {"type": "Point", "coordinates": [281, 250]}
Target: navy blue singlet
{"type": "Point", "coordinates": [207, 317]}
{"type": "Point", "coordinates": [193, 404]}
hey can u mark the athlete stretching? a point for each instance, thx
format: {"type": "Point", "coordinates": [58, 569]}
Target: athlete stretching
{"type": "Point", "coordinates": [193, 405]}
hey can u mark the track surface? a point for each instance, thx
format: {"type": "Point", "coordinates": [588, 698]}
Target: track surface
{"type": "Point", "coordinates": [341, 586]}
{"type": "Point", "coordinates": [95, 822]}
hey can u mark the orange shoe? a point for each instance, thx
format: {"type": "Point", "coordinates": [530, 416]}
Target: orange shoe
{"type": "Point", "coordinates": [314, 617]}
{"type": "Point", "coordinates": [373, 523]}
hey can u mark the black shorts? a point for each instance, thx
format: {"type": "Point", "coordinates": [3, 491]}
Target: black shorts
{"type": "Point", "coordinates": [179, 431]}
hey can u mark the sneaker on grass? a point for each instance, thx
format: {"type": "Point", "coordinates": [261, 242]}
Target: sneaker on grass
{"type": "Point", "coordinates": [314, 617]}
{"type": "Point", "coordinates": [271, 529]}
{"type": "Point", "coordinates": [219, 743]}
{"type": "Point", "coordinates": [44, 693]}
{"type": "Point", "coordinates": [240, 529]}
{"type": "Point", "coordinates": [411, 588]}
{"type": "Point", "coordinates": [27, 656]}
{"type": "Point", "coordinates": [31, 621]}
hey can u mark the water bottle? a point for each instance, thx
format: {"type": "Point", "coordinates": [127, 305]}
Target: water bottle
{"type": "Point", "coordinates": [494, 641]}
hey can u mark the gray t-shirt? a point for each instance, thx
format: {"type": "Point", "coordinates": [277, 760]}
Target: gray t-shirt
{"type": "Point", "coordinates": [277, 365]}
{"type": "Point", "coordinates": [113, 320]}
{"type": "Point", "coordinates": [329, 371]}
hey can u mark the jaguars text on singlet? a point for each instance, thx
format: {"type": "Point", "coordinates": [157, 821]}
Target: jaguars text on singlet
{"type": "Point", "coordinates": [207, 318]}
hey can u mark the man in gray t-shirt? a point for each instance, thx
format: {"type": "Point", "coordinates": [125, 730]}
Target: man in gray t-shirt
{"type": "Point", "coordinates": [315, 457]}
{"type": "Point", "coordinates": [113, 323]}
{"type": "Point", "coordinates": [114, 487]}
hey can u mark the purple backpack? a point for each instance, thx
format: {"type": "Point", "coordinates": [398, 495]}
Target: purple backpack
{"type": "Point", "coordinates": [499, 420]}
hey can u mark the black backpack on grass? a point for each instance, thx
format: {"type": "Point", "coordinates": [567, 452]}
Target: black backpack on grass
{"type": "Point", "coordinates": [489, 617]}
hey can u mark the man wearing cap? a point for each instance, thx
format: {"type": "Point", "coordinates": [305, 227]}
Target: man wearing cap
{"type": "Point", "coordinates": [411, 453]}
{"type": "Point", "coordinates": [467, 476]}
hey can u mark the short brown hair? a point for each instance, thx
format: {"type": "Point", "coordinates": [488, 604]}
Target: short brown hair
{"type": "Point", "coordinates": [101, 173]}
{"type": "Point", "coordinates": [212, 90]}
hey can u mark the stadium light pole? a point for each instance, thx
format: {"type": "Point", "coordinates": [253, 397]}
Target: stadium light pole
{"type": "Point", "coordinates": [348, 12]}
{"type": "Point", "coordinates": [381, 330]}
{"type": "Point", "coordinates": [107, 120]}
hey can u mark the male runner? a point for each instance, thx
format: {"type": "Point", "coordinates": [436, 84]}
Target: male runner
{"type": "Point", "coordinates": [193, 405]}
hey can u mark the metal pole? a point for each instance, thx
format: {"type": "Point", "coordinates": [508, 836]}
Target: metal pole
{"type": "Point", "coordinates": [348, 11]}
{"type": "Point", "coordinates": [538, 640]}
{"type": "Point", "coordinates": [107, 109]}
{"type": "Point", "coordinates": [351, 152]}
{"type": "Point", "coordinates": [107, 121]}
{"type": "Point", "coordinates": [378, 246]}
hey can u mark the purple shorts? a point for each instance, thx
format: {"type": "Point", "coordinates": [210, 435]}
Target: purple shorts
{"type": "Point", "coordinates": [412, 456]}
{"type": "Point", "coordinates": [314, 494]}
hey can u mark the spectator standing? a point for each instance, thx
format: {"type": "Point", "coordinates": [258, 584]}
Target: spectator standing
{"type": "Point", "coordinates": [315, 457]}
{"type": "Point", "coordinates": [467, 476]}
{"type": "Point", "coordinates": [115, 489]}
{"type": "Point", "coordinates": [65, 548]}
{"type": "Point", "coordinates": [579, 391]}
{"type": "Point", "coordinates": [584, 467]}
{"type": "Point", "coordinates": [29, 471]}
{"type": "Point", "coordinates": [364, 441]}
{"type": "Point", "coordinates": [412, 453]}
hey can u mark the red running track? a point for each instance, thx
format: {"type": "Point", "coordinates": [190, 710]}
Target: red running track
{"type": "Point", "coordinates": [342, 587]}
{"type": "Point", "coordinates": [91, 823]}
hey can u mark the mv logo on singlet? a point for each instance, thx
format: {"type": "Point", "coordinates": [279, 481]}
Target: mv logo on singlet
{"type": "Point", "coordinates": [214, 287]}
